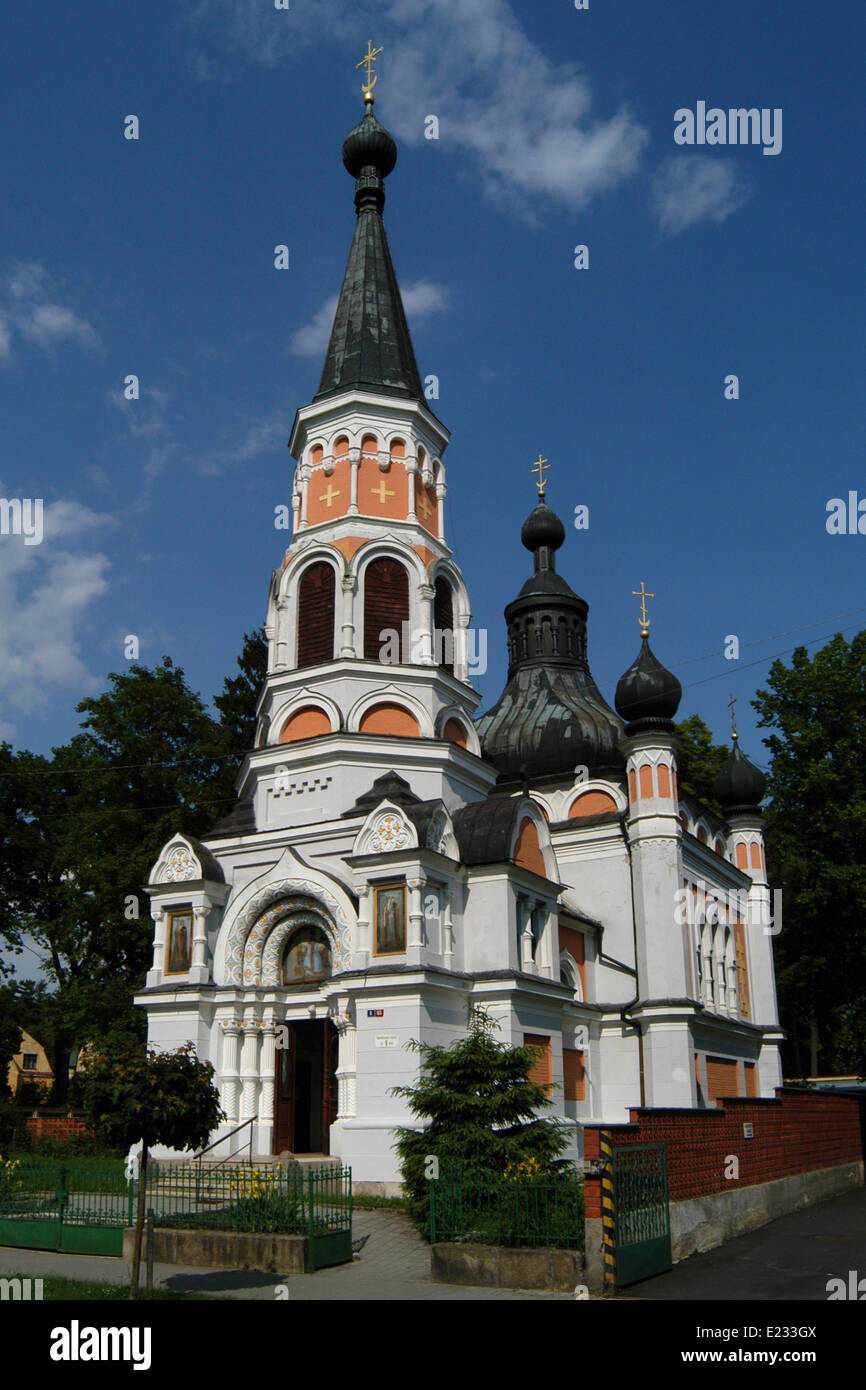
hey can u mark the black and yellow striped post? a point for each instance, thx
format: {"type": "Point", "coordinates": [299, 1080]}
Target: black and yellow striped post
{"type": "Point", "coordinates": [608, 1226]}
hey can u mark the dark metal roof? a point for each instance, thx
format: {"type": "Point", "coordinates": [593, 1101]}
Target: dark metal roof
{"type": "Point", "coordinates": [370, 344]}
{"type": "Point", "coordinates": [647, 692]}
{"type": "Point", "coordinates": [241, 820]}
{"type": "Point", "coordinates": [740, 786]}
{"type": "Point", "coordinates": [485, 829]}
{"type": "Point", "coordinates": [551, 717]}
{"type": "Point", "coordinates": [389, 787]}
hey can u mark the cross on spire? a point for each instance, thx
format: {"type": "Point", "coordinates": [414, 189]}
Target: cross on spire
{"type": "Point", "coordinates": [643, 594]}
{"type": "Point", "coordinates": [731, 704]}
{"type": "Point", "coordinates": [367, 61]}
{"type": "Point", "coordinates": [538, 467]}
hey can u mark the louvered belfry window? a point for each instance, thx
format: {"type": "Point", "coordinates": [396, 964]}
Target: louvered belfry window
{"type": "Point", "coordinates": [443, 622]}
{"type": "Point", "coordinates": [386, 606]}
{"type": "Point", "coordinates": [316, 615]}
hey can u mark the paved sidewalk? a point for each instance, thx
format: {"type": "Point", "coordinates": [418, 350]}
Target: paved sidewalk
{"type": "Point", "coordinates": [394, 1265]}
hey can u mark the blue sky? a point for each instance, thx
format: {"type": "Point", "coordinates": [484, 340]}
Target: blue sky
{"type": "Point", "coordinates": [556, 128]}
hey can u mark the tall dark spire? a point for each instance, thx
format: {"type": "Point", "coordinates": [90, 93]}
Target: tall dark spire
{"type": "Point", "coordinates": [370, 346]}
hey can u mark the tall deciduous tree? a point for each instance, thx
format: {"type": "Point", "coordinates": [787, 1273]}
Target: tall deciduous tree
{"type": "Point", "coordinates": [149, 761]}
{"type": "Point", "coordinates": [240, 694]}
{"type": "Point", "coordinates": [699, 760]}
{"type": "Point", "coordinates": [816, 849]}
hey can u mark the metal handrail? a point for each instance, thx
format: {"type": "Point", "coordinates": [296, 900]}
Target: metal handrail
{"type": "Point", "coordinates": [222, 1140]}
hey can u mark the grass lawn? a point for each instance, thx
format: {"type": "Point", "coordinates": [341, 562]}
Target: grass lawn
{"type": "Point", "coordinates": [55, 1288]}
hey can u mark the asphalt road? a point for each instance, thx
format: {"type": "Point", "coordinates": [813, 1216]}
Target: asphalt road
{"type": "Point", "coordinates": [792, 1258]}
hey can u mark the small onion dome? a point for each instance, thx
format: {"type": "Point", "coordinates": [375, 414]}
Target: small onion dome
{"type": "Point", "coordinates": [647, 691]}
{"type": "Point", "coordinates": [542, 528]}
{"type": "Point", "coordinates": [369, 144]}
{"type": "Point", "coordinates": [740, 785]}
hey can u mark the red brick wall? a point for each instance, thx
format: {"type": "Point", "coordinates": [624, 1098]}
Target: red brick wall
{"type": "Point", "coordinates": [55, 1127]}
{"type": "Point", "coordinates": [795, 1133]}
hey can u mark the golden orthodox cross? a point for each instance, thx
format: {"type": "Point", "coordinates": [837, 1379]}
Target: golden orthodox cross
{"type": "Point", "coordinates": [381, 491]}
{"type": "Point", "coordinates": [367, 61]}
{"type": "Point", "coordinates": [731, 704]}
{"type": "Point", "coordinates": [643, 594]}
{"type": "Point", "coordinates": [539, 467]}
{"type": "Point", "coordinates": [330, 494]}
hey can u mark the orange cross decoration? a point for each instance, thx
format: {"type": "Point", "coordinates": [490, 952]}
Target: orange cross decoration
{"type": "Point", "coordinates": [381, 491]}
{"type": "Point", "coordinates": [330, 494]}
{"type": "Point", "coordinates": [424, 506]}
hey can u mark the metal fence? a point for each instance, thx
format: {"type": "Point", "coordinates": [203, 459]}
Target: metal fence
{"type": "Point", "coordinates": [51, 1205]}
{"type": "Point", "coordinates": [84, 1204]}
{"type": "Point", "coordinates": [291, 1201]}
{"type": "Point", "coordinates": [511, 1210]}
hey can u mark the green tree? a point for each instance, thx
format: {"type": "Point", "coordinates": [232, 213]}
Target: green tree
{"type": "Point", "coordinates": [699, 761]}
{"type": "Point", "coordinates": [240, 694]}
{"type": "Point", "coordinates": [150, 1098]}
{"type": "Point", "coordinates": [149, 761]}
{"type": "Point", "coordinates": [816, 850]}
{"type": "Point", "coordinates": [10, 1035]}
{"type": "Point", "coordinates": [479, 1107]}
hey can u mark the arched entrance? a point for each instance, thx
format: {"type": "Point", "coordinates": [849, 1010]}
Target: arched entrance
{"type": "Point", "coordinates": [305, 1094]}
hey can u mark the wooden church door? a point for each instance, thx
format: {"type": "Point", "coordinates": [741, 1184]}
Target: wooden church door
{"type": "Point", "coordinates": [305, 1094]}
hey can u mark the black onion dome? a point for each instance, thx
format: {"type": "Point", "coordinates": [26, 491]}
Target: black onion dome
{"type": "Point", "coordinates": [740, 786]}
{"type": "Point", "coordinates": [551, 717]}
{"type": "Point", "coordinates": [369, 145]}
{"type": "Point", "coordinates": [542, 528]}
{"type": "Point", "coordinates": [647, 691]}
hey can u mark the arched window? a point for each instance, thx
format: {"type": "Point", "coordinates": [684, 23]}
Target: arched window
{"type": "Point", "coordinates": [443, 623]}
{"type": "Point", "coordinates": [389, 719]}
{"type": "Point", "coordinates": [591, 804]}
{"type": "Point", "coordinates": [307, 957]}
{"type": "Point", "coordinates": [309, 722]}
{"type": "Point", "coordinates": [386, 605]}
{"type": "Point", "coordinates": [316, 615]}
{"type": "Point", "coordinates": [454, 732]}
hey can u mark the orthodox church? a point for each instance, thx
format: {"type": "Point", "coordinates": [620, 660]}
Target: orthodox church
{"type": "Point", "coordinates": [393, 858]}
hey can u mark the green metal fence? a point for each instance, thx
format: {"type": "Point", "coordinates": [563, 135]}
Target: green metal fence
{"type": "Point", "coordinates": [84, 1206]}
{"type": "Point", "coordinates": [492, 1209]}
{"type": "Point", "coordinates": [48, 1205]}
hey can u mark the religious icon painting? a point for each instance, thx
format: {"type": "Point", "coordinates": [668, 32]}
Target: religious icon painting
{"type": "Point", "coordinates": [179, 942]}
{"type": "Point", "coordinates": [307, 958]}
{"type": "Point", "coordinates": [390, 919]}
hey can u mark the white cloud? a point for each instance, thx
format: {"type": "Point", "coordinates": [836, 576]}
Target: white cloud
{"type": "Point", "coordinates": [31, 309]}
{"type": "Point", "coordinates": [420, 298]}
{"type": "Point", "coordinates": [260, 437]}
{"type": "Point", "coordinates": [521, 120]}
{"type": "Point", "coordinates": [46, 594]}
{"type": "Point", "coordinates": [692, 188]}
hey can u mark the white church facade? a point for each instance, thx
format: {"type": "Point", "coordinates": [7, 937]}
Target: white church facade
{"type": "Point", "coordinates": [393, 858]}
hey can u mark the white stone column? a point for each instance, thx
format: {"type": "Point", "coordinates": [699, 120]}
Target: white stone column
{"type": "Point", "coordinates": [154, 975]}
{"type": "Point", "coordinates": [249, 1069]}
{"type": "Point", "coordinates": [412, 474]}
{"type": "Point", "coordinates": [346, 1073]}
{"type": "Point", "coordinates": [267, 1071]}
{"type": "Point", "coordinates": [424, 649]}
{"type": "Point", "coordinates": [230, 1085]}
{"type": "Point", "coordinates": [281, 645]}
{"type": "Point", "coordinates": [440, 501]}
{"type": "Point", "coordinates": [199, 973]}
{"type": "Point", "coordinates": [364, 935]}
{"type": "Point", "coordinates": [548, 945]}
{"type": "Point", "coordinates": [354, 464]}
{"type": "Point", "coordinates": [347, 584]}
{"type": "Point", "coordinates": [305, 492]}
{"type": "Point", "coordinates": [415, 943]}
{"type": "Point", "coordinates": [447, 930]}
